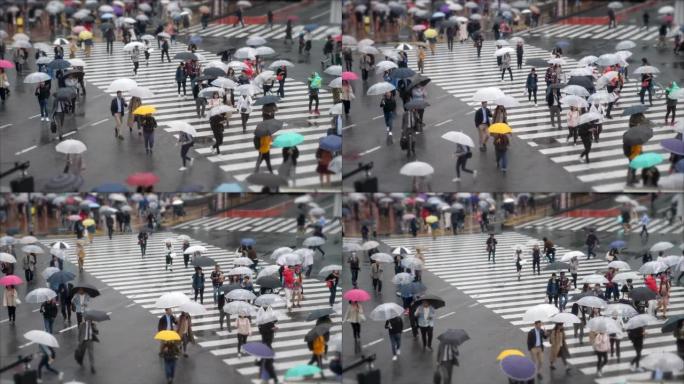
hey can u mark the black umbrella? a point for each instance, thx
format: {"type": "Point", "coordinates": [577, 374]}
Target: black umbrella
{"type": "Point", "coordinates": [268, 127]}
{"type": "Point", "coordinates": [556, 265]}
{"type": "Point", "coordinates": [435, 301]}
{"type": "Point", "coordinates": [88, 288]}
{"type": "Point", "coordinates": [537, 62]}
{"type": "Point", "coordinates": [419, 79]}
{"type": "Point", "coordinates": [412, 288]}
{"type": "Point", "coordinates": [61, 277]}
{"type": "Point", "coordinates": [402, 73]}
{"type": "Point", "coordinates": [318, 313]}
{"type": "Point", "coordinates": [214, 72]}
{"type": "Point", "coordinates": [581, 295]}
{"type": "Point", "coordinates": [59, 64]}
{"type": "Point", "coordinates": [642, 294]}
{"type": "Point", "coordinates": [454, 337]}
{"type": "Point", "coordinates": [66, 93]}
{"type": "Point", "coordinates": [229, 287]}
{"type": "Point", "coordinates": [106, 26]}
{"type": "Point", "coordinates": [268, 99]}
{"type": "Point", "coordinates": [270, 282]}
{"type": "Point", "coordinates": [185, 56]}
{"type": "Point", "coordinates": [267, 180]}
{"type": "Point", "coordinates": [203, 262]}
{"type": "Point", "coordinates": [96, 315]}
{"type": "Point", "coordinates": [319, 330]}
{"type": "Point", "coordinates": [634, 109]}
{"type": "Point", "coordinates": [417, 104]}
{"type": "Point", "coordinates": [65, 182]}
{"type": "Point", "coordinates": [637, 135]}
{"type": "Point", "coordinates": [671, 323]}
{"type": "Point", "coordinates": [582, 81]}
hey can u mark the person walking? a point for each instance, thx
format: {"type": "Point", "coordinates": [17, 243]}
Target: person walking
{"type": "Point", "coordinates": [198, 284]}
{"type": "Point", "coordinates": [645, 18]}
{"type": "Point", "coordinates": [148, 123]}
{"type": "Point", "coordinates": [501, 144]}
{"type": "Point", "coordinates": [491, 248]}
{"type": "Point", "coordinates": [181, 78]}
{"type": "Point", "coordinates": [425, 316]}
{"type": "Point", "coordinates": [165, 50]}
{"type": "Point", "coordinates": [133, 119]}
{"type": "Point", "coordinates": [591, 242]}
{"type": "Point", "coordinates": [451, 32]}
{"type": "Point", "coordinates": [601, 344]}
{"type": "Point", "coordinates": [506, 66]}
{"type": "Point", "coordinates": [118, 108]}
{"type": "Point", "coordinates": [354, 266]}
{"type": "Point", "coordinates": [331, 282]}
{"type": "Point", "coordinates": [573, 120]}
{"type": "Point", "coordinates": [376, 276]}
{"type": "Point", "coordinates": [636, 336]}
{"type": "Point", "coordinates": [318, 348]}
{"type": "Point", "coordinates": [49, 310]}
{"type": "Point", "coordinates": [518, 262]}
{"type": "Point", "coordinates": [462, 154]}
{"type": "Point", "coordinates": [559, 347]}
{"type": "Point", "coordinates": [186, 141]}
{"type": "Point", "coordinates": [478, 40]}
{"type": "Point", "coordinates": [421, 59]}
{"type": "Point", "coordinates": [347, 96]}
{"type": "Point", "coordinates": [135, 58]}
{"type": "Point", "coordinates": [535, 344]}
{"type": "Point", "coordinates": [281, 76]}
{"type": "Point", "coordinates": [563, 289]}
{"type": "Point", "coordinates": [395, 328]}
{"type": "Point", "coordinates": [612, 22]}
{"type": "Point", "coordinates": [110, 37]}
{"type": "Point", "coordinates": [554, 107]}
{"type": "Point", "coordinates": [355, 317]}
{"type": "Point", "coordinates": [216, 123]}
{"type": "Point", "coordinates": [244, 105]}
{"type": "Point", "coordinates": [646, 86]}
{"type": "Point", "coordinates": [671, 103]}
{"type": "Point", "coordinates": [170, 255]}
{"type": "Point", "coordinates": [244, 329]}
{"type": "Point", "coordinates": [47, 356]}
{"type": "Point", "coordinates": [142, 242]}
{"type": "Point", "coordinates": [263, 147]}
{"type": "Point", "coordinates": [389, 106]}
{"type": "Point", "coordinates": [42, 93]}
{"type": "Point", "coordinates": [519, 55]}
{"type": "Point", "coordinates": [217, 279]}
{"type": "Point", "coordinates": [185, 331]}
{"type": "Point", "coordinates": [483, 118]}
{"type": "Point", "coordinates": [10, 300]}
{"type": "Point", "coordinates": [87, 336]}
{"type": "Point", "coordinates": [447, 357]}
{"type": "Point", "coordinates": [29, 263]}
{"type": "Point", "coordinates": [531, 85]}
{"type": "Point", "coordinates": [585, 133]}
{"type": "Point", "coordinates": [170, 352]}
{"type": "Point", "coordinates": [553, 289]}
{"type": "Point", "coordinates": [574, 268]}
{"type": "Point", "coordinates": [80, 255]}
{"type": "Point", "coordinates": [314, 85]}
{"type": "Point", "coordinates": [549, 250]}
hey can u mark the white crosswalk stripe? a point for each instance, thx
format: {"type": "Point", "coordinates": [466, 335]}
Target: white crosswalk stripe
{"type": "Point", "coordinates": [608, 224]}
{"type": "Point", "coordinates": [461, 261]}
{"type": "Point", "coordinates": [461, 74]}
{"type": "Point", "coordinates": [238, 155]}
{"type": "Point", "coordinates": [580, 31]}
{"type": "Point", "coordinates": [118, 264]}
{"type": "Point", "coordinates": [261, 224]}
{"type": "Point", "coordinates": [263, 30]}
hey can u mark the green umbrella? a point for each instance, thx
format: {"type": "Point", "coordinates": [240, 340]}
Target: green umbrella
{"type": "Point", "coordinates": [646, 160]}
{"type": "Point", "coordinates": [288, 139]}
{"type": "Point", "coordinates": [301, 371]}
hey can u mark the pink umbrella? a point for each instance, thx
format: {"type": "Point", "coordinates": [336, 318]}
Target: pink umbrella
{"type": "Point", "coordinates": [349, 76]}
{"type": "Point", "coordinates": [10, 280]}
{"type": "Point", "coordinates": [6, 64]}
{"type": "Point", "coordinates": [78, 29]}
{"type": "Point", "coordinates": [356, 295]}
{"type": "Point", "coordinates": [419, 27]}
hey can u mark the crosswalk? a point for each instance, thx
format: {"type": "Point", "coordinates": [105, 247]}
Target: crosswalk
{"type": "Point", "coordinates": [462, 262]}
{"type": "Point", "coordinates": [238, 156]}
{"type": "Point", "coordinates": [602, 224]}
{"type": "Point", "coordinates": [461, 74]}
{"type": "Point", "coordinates": [118, 264]}
{"type": "Point", "coordinates": [277, 32]}
{"type": "Point", "coordinates": [579, 31]}
{"type": "Point", "coordinates": [255, 224]}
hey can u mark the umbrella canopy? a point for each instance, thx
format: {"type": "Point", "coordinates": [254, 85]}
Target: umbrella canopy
{"type": "Point", "coordinates": [675, 146]}
{"type": "Point", "coordinates": [145, 110]}
{"type": "Point", "coordinates": [642, 294]}
{"type": "Point", "coordinates": [646, 160]}
{"type": "Point", "coordinates": [646, 69]}
{"type": "Point", "coordinates": [123, 84]}
{"type": "Point", "coordinates": [663, 361]}
{"type": "Point", "coordinates": [619, 264]}
{"type": "Point", "coordinates": [7, 258]}
{"type": "Point", "coordinates": [302, 371]}
{"type": "Point", "coordinates": [329, 269]}
{"type": "Point", "coordinates": [167, 336]}
{"type": "Point", "coordinates": [459, 138]}
{"type": "Point", "coordinates": [518, 368]}
{"type": "Point", "coordinates": [259, 350]}
{"type": "Point", "coordinates": [268, 300]}
{"type": "Point", "coordinates": [639, 321]}
{"type": "Point", "coordinates": [386, 311]}
{"type": "Point", "coordinates": [625, 44]}
{"type": "Point", "coordinates": [653, 267]}
{"type": "Point", "coordinates": [453, 337]}
{"type": "Point", "coordinates": [71, 146]}
{"type": "Point", "coordinates": [313, 241]}
{"type": "Point", "coordinates": [40, 295]}
{"type": "Point", "coordinates": [509, 352]}
{"type": "Point", "coordinates": [32, 249]}
{"type": "Point", "coordinates": [35, 77]}
{"type": "Point", "coordinates": [10, 280]}
{"type": "Point", "coordinates": [565, 318]}
{"type": "Point", "coordinates": [670, 325]}
{"type": "Point", "coordinates": [42, 337]}
{"type": "Point", "coordinates": [96, 315]}
{"type": "Point", "coordinates": [434, 301]}
{"type": "Point", "coordinates": [571, 255]}
{"type": "Point", "coordinates": [59, 277]}
{"type": "Point", "coordinates": [500, 128]}
{"type": "Point", "coordinates": [487, 94]}
{"type": "Point", "coordinates": [204, 262]}
{"type": "Point", "coordinates": [382, 258]}
{"type": "Point", "coordinates": [592, 302]}
{"type": "Point", "coordinates": [240, 271]}
{"type": "Point", "coordinates": [89, 289]}
{"type": "Point", "coordinates": [240, 294]}
{"type": "Point", "coordinates": [620, 309]}
{"type": "Point", "coordinates": [171, 300]}
{"type": "Point", "coordinates": [539, 312]}
{"type": "Point", "coordinates": [637, 135]}
{"type": "Point", "coordinates": [661, 246]}
{"type": "Point", "coordinates": [603, 324]}
{"type": "Point", "coordinates": [380, 88]}
{"type": "Point", "coordinates": [143, 179]}
{"type": "Point", "coordinates": [270, 282]}
{"type": "Point", "coordinates": [416, 168]}
{"type": "Point", "coordinates": [634, 109]}
{"type": "Point", "coordinates": [318, 313]}
{"type": "Point", "coordinates": [358, 295]}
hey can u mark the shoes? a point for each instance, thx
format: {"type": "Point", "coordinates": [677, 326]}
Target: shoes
{"type": "Point", "coordinates": [398, 352]}
{"type": "Point", "coordinates": [181, 169]}
{"type": "Point", "coordinates": [474, 174]}
{"type": "Point", "coordinates": [599, 373]}
{"type": "Point", "coordinates": [552, 368]}
{"type": "Point", "coordinates": [394, 358]}
{"type": "Point", "coordinates": [192, 160]}
{"type": "Point", "coordinates": [456, 179]}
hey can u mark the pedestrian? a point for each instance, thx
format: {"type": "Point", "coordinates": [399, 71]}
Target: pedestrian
{"type": "Point", "coordinates": [181, 76]}
{"type": "Point", "coordinates": [592, 242]}
{"type": "Point", "coordinates": [217, 279]}
{"type": "Point", "coordinates": [573, 120]}
{"type": "Point", "coordinates": [447, 357]}
{"type": "Point", "coordinates": [664, 291]}
{"type": "Point", "coordinates": [348, 58]}
{"type": "Point", "coordinates": [110, 37]}
{"type": "Point", "coordinates": [169, 352]}
{"type": "Point", "coordinates": [169, 260]}
{"type": "Point", "coordinates": [133, 119]}
{"type": "Point", "coordinates": [318, 348]}
{"type": "Point", "coordinates": [355, 316]}
{"type": "Point", "coordinates": [80, 302]}
{"type": "Point", "coordinates": [42, 93]}
{"type": "Point", "coordinates": [553, 289]}
{"type": "Point", "coordinates": [49, 310]}
{"type": "Point", "coordinates": [559, 347]}
{"type": "Point", "coordinates": [185, 331]}
{"type": "Point", "coordinates": [612, 23]}
{"type": "Point", "coordinates": [148, 123]}
{"type": "Point", "coordinates": [354, 266]}
{"type": "Point", "coordinates": [10, 300]}
{"type": "Point", "coordinates": [549, 250]}
{"type": "Point", "coordinates": [216, 123]}
{"type": "Point", "coordinates": [519, 54]}
{"type": "Point", "coordinates": [48, 356]}
{"type": "Point", "coordinates": [478, 40]}
{"type": "Point", "coordinates": [238, 18]}
{"type": "Point", "coordinates": [501, 144]}
{"type": "Point", "coordinates": [281, 76]}
{"type": "Point", "coordinates": [671, 103]}
{"type": "Point", "coordinates": [389, 106]}
{"type": "Point", "coordinates": [80, 254]}
{"type": "Point", "coordinates": [662, 36]}
{"type": "Point", "coordinates": [462, 154]}
{"type": "Point", "coordinates": [198, 284]}
{"type": "Point", "coordinates": [29, 263]}
{"type": "Point", "coordinates": [554, 106]}
{"type": "Point", "coordinates": [601, 343]}
{"type": "Point", "coordinates": [563, 289]}
{"type": "Point", "coordinates": [425, 316]}
{"type": "Point", "coordinates": [482, 120]}
{"type": "Point", "coordinates": [142, 242]}
{"type": "Point", "coordinates": [531, 85]}
{"type": "Point", "coordinates": [631, 151]}
{"type": "Point", "coordinates": [244, 105]}
{"type": "Point", "coordinates": [263, 146]}
{"type": "Point", "coordinates": [421, 59]}
{"type": "Point", "coordinates": [376, 276]}
{"type": "Point", "coordinates": [186, 141]}
{"type": "Point", "coordinates": [167, 321]}
{"type": "Point", "coordinates": [645, 17]}
{"type": "Point", "coordinates": [117, 108]}
{"type": "Point", "coordinates": [506, 65]}
{"type": "Point", "coordinates": [269, 18]}
{"type": "Point", "coordinates": [678, 334]}
{"type": "Point", "coordinates": [314, 85]}
{"type": "Point", "coordinates": [324, 158]}
{"type": "Point", "coordinates": [165, 51]}
{"type": "Point", "coordinates": [535, 344]}
{"type": "Point", "coordinates": [135, 58]}
{"type": "Point", "coordinates": [347, 96]}
{"type": "Point", "coordinates": [244, 329]}
{"type": "Point", "coordinates": [87, 336]}
{"type": "Point", "coordinates": [646, 86]}
{"type": "Point", "coordinates": [59, 110]}
{"type": "Point", "coordinates": [451, 32]}
{"type": "Point", "coordinates": [331, 282]}
{"type": "Point", "coordinates": [63, 292]}
{"type": "Point", "coordinates": [395, 328]}
{"type": "Point", "coordinates": [491, 248]}
{"type": "Point", "coordinates": [288, 32]}
{"type": "Point", "coordinates": [636, 336]}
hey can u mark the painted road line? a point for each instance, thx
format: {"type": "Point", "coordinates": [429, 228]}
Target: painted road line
{"type": "Point", "coordinates": [349, 126]}
{"type": "Point", "coordinates": [98, 122]}
{"type": "Point", "coordinates": [34, 116]}
{"type": "Point", "coordinates": [369, 151]}
{"type": "Point", "coordinates": [68, 328]}
{"type": "Point", "coordinates": [374, 342]}
{"type": "Point", "coordinates": [443, 122]}
{"type": "Point", "coordinates": [26, 345]}
{"type": "Point", "coordinates": [320, 15]}
{"type": "Point", "coordinates": [69, 134]}
{"type": "Point", "coordinates": [446, 314]}
{"type": "Point", "coordinates": [5, 126]}
{"type": "Point", "coordinates": [26, 150]}
{"type": "Point", "coordinates": [377, 117]}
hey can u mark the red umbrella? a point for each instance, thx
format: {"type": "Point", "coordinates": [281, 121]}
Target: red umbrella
{"type": "Point", "coordinates": [357, 295]}
{"type": "Point", "coordinates": [142, 179]}
{"type": "Point", "coordinates": [6, 64]}
{"type": "Point", "coordinates": [349, 76]}
{"type": "Point", "coordinates": [10, 280]}
{"type": "Point", "coordinates": [70, 200]}
{"type": "Point", "coordinates": [293, 18]}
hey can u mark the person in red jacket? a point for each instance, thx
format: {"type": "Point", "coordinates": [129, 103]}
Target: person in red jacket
{"type": "Point", "coordinates": [650, 283]}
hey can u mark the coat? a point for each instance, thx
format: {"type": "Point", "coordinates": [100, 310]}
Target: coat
{"type": "Point", "coordinates": [243, 326]}
{"type": "Point", "coordinates": [244, 103]}
{"type": "Point", "coordinates": [558, 344]}
{"type": "Point", "coordinates": [198, 281]}
{"type": "Point", "coordinates": [531, 338]}
{"type": "Point", "coordinates": [162, 325]}
{"type": "Point", "coordinates": [80, 306]}
{"type": "Point", "coordinates": [9, 298]}
{"type": "Point", "coordinates": [113, 106]}
{"type": "Point", "coordinates": [479, 116]}
{"type": "Point", "coordinates": [422, 319]}
{"type": "Point", "coordinates": [354, 315]}
{"type": "Point", "coordinates": [185, 326]}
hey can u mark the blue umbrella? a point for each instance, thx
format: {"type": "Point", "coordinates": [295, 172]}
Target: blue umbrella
{"type": "Point", "coordinates": [111, 188]}
{"type": "Point", "coordinates": [562, 43]}
{"type": "Point", "coordinates": [311, 27]}
{"type": "Point", "coordinates": [259, 350]}
{"type": "Point", "coordinates": [519, 368]}
{"type": "Point", "coordinates": [61, 277]}
{"type": "Point", "coordinates": [191, 188]}
{"type": "Point", "coordinates": [59, 64]}
{"type": "Point", "coordinates": [247, 242]}
{"type": "Point", "coordinates": [673, 145]}
{"type": "Point", "coordinates": [106, 16]}
{"type": "Point", "coordinates": [196, 39]}
{"type": "Point", "coordinates": [228, 188]}
{"type": "Point", "coordinates": [402, 73]}
{"type": "Point", "coordinates": [332, 143]}
{"type": "Point", "coordinates": [679, 166]}
{"type": "Point", "coordinates": [438, 15]}
{"type": "Point", "coordinates": [617, 244]}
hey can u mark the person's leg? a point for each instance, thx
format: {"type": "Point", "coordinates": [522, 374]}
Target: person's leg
{"type": "Point", "coordinates": [267, 157]}
{"type": "Point", "coordinates": [423, 336]}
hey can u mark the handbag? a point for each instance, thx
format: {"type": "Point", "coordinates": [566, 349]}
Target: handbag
{"type": "Point", "coordinates": [53, 126]}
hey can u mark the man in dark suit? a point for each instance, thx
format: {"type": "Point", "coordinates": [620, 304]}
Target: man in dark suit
{"type": "Point", "coordinates": [535, 344]}
{"type": "Point", "coordinates": [483, 117]}
{"type": "Point", "coordinates": [118, 108]}
{"type": "Point", "coordinates": [167, 322]}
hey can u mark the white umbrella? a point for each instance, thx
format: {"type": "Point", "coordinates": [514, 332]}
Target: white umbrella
{"type": "Point", "coordinates": [369, 50]}
{"type": "Point", "coordinates": [382, 258]}
{"type": "Point", "coordinates": [622, 310]}
{"type": "Point", "coordinates": [240, 271]}
{"type": "Point", "coordinates": [601, 97]}
{"type": "Point", "coordinates": [639, 321]}
{"type": "Point", "coordinates": [243, 261]}
{"type": "Point", "coordinates": [653, 268]}
{"type": "Point", "coordinates": [244, 4]}
{"type": "Point", "coordinates": [608, 59]}
{"type": "Point", "coordinates": [539, 312]}
{"type": "Point", "coordinates": [49, 271]}
{"type": "Point", "coordinates": [209, 92]}
{"type": "Point", "coordinates": [503, 51]}
{"type": "Point", "coordinates": [592, 302]}
{"type": "Point", "coordinates": [603, 324]}
{"type": "Point", "coordinates": [615, 5]}
{"type": "Point", "coordinates": [402, 278]}
{"type": "Point", "coordinates": [329, 269]}
{"type": "Point", "coordinates": [266, 315]}
{"type": "Point", "coordinates": [623, 45]}
{"type": "Point", "coordinates": [193, 308]}
{"type": "Point", "coordinates": [368, 245]}
{"type": "Point", "coordinates": [7, 258]}
{"type": "Point", "coordinates": [42, 337]}
{"type": "Point", "coordinates": [280, 63]}
{"type": "Point", "coordinates": [131, 46]}
{"type": "Point", "coordinates": [503, 43]}
{"type": "Point", "coordinates": [245, 53]}
{"type": "Point", "coordinates": [571, 255]}
{"type": "Point", "coordinates": [475, 16]}
{"type": "Point", "coordinates": [268, 270]}
{"type": "Point", "coordinates": [77, 63]}
{"type": "Point", "coordinates": [587, 60]}
{"type": "Point", "coordinates": [661, 246]}
{"type": "Point", "coordinates": [590, 116]}
{"type": "Point", "coordinates": [507, 101]}
{"type": "Point", "coordinates": [401, 251]}
{"type": "Point", "coordinates": [618, 264]}
{"type": "Point", "coordinates": [32, 249]}
{"type": "Point", "coordinates": [458, 138]}
{"type": "Point", "coordinates": [171, 300]}
{"type": "Point", "coordinates": [416, 168]}
{"type": "Point", "coordinates": [335, 70]}
{"type": "Point", "coordinates": [663, 361]}
{"type": "Point", "coordinates": [123, 84]}
{"type": "Point", "coordinates": [622, 277]}
{"type": "Point", "coordinates": [623, 199]}
{"type": "Point", "coordinates": [141, 92]}
{"type": "Point", "coordinates": [644, 69]}
{"type": "Point", "coordinates": [240, 308]}
{"type": "Point", "coordinates": [673, 182]}
{"type": "Point", "coordinates": [20, 36]}
{"type": "Point", "coordinates": [412, 263]}
{"type": "Point", "coordinates": [574, 101]}
{"type": "Point", "coordinates": [671, 260]}
{"type": "Point", "coordinates": [219, 110]}
{"type": "Point", "coordinates": [576, 90]}
{"type": "Point", "coordinates": [36, 77]}
{"type": "Point", "coordinates": [268, 300]}
{"type": "Point", "coordinates": [240, 294]}
{"type": "Point", "coordinates": [224, 82]}
{"type": "Point", "coordinates": [516, 39]}
{"type": "Point", "coordinates": [264, 51]}
{"type": "Point", "coordinates": [71, 146]}
{"type": "Point", "coordinates": [313, 241]}
{"type": "Point", "coordinates": [255, 41]}
{"type": "Point", "coordinates": [346, 247]}
{"type": "Point", "coordinates": [380, 88]}
{"type": "Point", "coordinates": [195, 248]}
{"type": "Point", "coordinates": [487, 94]}
{"type": "Point", "coordinates": [385, 65]}
{"type": "Point", "coordinates": [593, 279]}
{"type": "Point", "coordinates": [581, 71]}
{"type": "Point", "coordinates": [237, 65]}
{"type": "Point", "coordinates": [386, 311]}
{"type": "Point", "coordinates": [280, 251]}
{"type": "Point", "coordinates": [336, 109]}
{"type": "Point", "coordinates": [565, 318]}
{"type": "Point", "coordinates": [40, 295]}
{"type": "Point", "coordinates": [403, 47]}
{"type": "Point", "coordinates": [668, 9]}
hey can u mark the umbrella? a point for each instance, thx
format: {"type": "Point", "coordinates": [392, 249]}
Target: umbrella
{"type": "Point", "coordinates": [185, 56]}
{"type": "Point", "coordinates": [417, 104]}
{"type": "Point", "coordinates": [145, 110]}
{"type": "Point", "coordinates": [670, 325]}
{"type": "Point", "coordinates": [634, 109]}
{"type": "Point", "coordinates": [240, 294]}
{"type": "Point", "coordinates": [313, 241]}
{"type": "Point", "coordinates": [675, 146]}
{"type": "Point", "coordinates": [487, 94]}
{"type": "Point", "coordinates": [96, 315]}
{"type": "Point", "coordinates": [301, 371]}
{"type": "Point", "coordinates": [637, 135]}
{"type": "Point", "coordinates": [500, 128]}
{"type": "Point", "coordinates": [32, 249]}
{"type": "Point", "coordinates": [454, 337]}
{"type": "Point", "coordinates": [267, 179]}
{"type": "Point", "coordinates": [123, 84]}
{"type": "Point", "coordinates": [646, 160]}
{"type": "Point", "coordinates": [203, 262]}
{"type": "Point", "coordinates": [248, 242]}
{"type": "Point", "coordinates": [59, 64]}
{"type": "Point", "coordinates": [518, 368]}
{"type": "Point", "coordinates": [507, 101]}
{"type": "Point", "coordinates": [663, 361]}
{"type": "Point", "coordinates": [603, 324]}
{"type": "Point", "coordinates": [259, 350]}
{"type": "Point", "coordinates": [10, 280]}
{"type": "Point", "coordinates": [661, 246]}
{"type": "Point", "coordinates": [89, 289]}
{"type": "Point", "coordinates": [143, 179]}
{"type": "Point", "coordinates": [171, 299]}
{"type": "Point", "coordinates": [509, 352]}
{"type": "Point", "coordinates": [240, 271]}
{"type": "Point", "coordinates": [287, 139]}
{"type": "Point", "coordinates": [194, 249]}
{"type": "Point", "coordinates": [318, 313]}
{"type": "Point", "coordinates": [331, 143]}
{"type": "Point", "coordinates": [539, 312]}
{"type": "Point", "coordinates": [71, 146]}
{"type": "Point", "coordinates": [416, 168]}
{"type": "Point", "coordinates": [268, 127]}
{"type": "Point", "coordinates": [382, 258]}
{"type": "Point", "coordinates": [380, 88]}
{"type": "Point", "coordinates": [268, 299]}
{"type": "Point", "coordinates": [618, 264]}
{"type": "Point", "coordinates": [167, 336]}
{"type": "Point", "coordinates": [653, 268]}
{"type": "Point", "coordinates": [40, 295]}
{"type": "Point", "coordinates": [615, 5]}
{"type": "Point", "coordinates": [280, 63]}
{"type": "Point", "coordinates": [668, 9]}
{"type": "Point", "coordinates": [592, 302]}
{"type": "Point", "coordinates": [671, 260]}
{"type": "Point", "coordinates": [575, 90]}
{"type": "Point", "coordinates": [42, 337]}
{"type": "Point", "coordinates": [7, 258]}
{"type": "Point", "coordinates": [368, 245]}
{"type": "Point", "coordinates": [268, 282]}
{"type": "Point", "coordinates": [624, 276]}
{"type": "Point", "coordinates": [642, 294]}
{"type": "Point", "coordinates": [582, 81]}
{"type": "Point", "coordinates": [335, 70]}
{"type": "Point", "coordinates": [565, 318]}
{"type": "Point", "coordinates": [386, 311]}
{"type": "Point", "coordinates": [356, 295]}
{"type": "Point", "coordinates": [589, 117]}
{"type": "Point", "coordinates": [434, 301]}
{"type": "Point", "coordinates": [402, 73]}
{"type": "Point", "coordinates": [571, 255]}
{"type": "Point", "coordinates": [33, 78]}
{"type": "Point", "coordinates": [574, 101]}
{"type": "Point", "coordinates": [618, 244]}
{"type": "Point", "coordinates": [28, 240]}
{"type": "Point", "coordinates": [329, 269]}
{"type": "Point", "coordinates": [622, 310]}
{"type": "Point", "coordinates": [646, 69]}
{"type": "Point", "coordinates": [59, 277]}
{"type": "Point", "coordinates": [639, 321]}
{"type": "Point", "coordinates": [623, 45]}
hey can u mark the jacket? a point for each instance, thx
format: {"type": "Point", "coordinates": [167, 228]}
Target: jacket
{"type": "Point", "coordinates": [601, 342]}
{"type": "Point", "coordinates": [531, 338]}
{"type": "Point", "coordinates": [185, 326]}
{"type": "Point", "coordinates": [531, 82]}
{"type": "Point", "coordinates": [243, 326]}
{"type": "Point", "coordinates": [506, 61]}
{"type": "Point", "coordinates": [49, 310]}
{"type": "Point", "coordinates": [163, 324]}
{"type": "Point", "coordinates": [558, 344]}
{"type": "Point", "coordinates": [423, 319]}
{"type": "Point", "coordinates": [479, 116]}
{"type": "Point", "coordinates": [573, 118]}
{"type": "Point", "coordinates": [552, 287]}
{"type": "Point", "coordinates": [80, 305]}
{"type": "Point", "coordinates": [9, 298]}
{"type": "Point", "coordinates": [198, 281]}
{"type": "Point", "coordinates": [376, 271]}
{"type": "Point", "coordinates": [113, 106]}
{"type": "Point", "coordinates": [354, 315]}
{"type": "Point", "coordinates": [394, 325]}
{"type": "Point", "coordinates": [244, 105]}
{"type": "Point", "coordinates": [180, 74]}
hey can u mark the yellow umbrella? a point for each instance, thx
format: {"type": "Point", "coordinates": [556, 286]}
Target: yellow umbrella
{"type": "Point", "coordinates": [85, 35]}
{"type": "Point", "coordinates": [88, 222]}
{"type": "Point", "coordinates": [509, 352]}
{"type": "Point", "coordinates": [501, 128]}
{"type": "Point", "coordinates": [167, 336]}
{"type": "Point", "coordinates": [430, 33]}
{"type": "Point", "coordinates": [431, 219]}
{"type": "Point", "coordinates": [145, 110]}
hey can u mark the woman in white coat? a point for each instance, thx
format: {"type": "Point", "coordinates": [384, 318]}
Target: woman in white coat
{"type": "Point", "coordinates": [597, 108]}
{"type": "Point", "coordinates": [244, 106]}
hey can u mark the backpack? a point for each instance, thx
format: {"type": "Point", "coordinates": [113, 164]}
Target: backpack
{"type": "Point", "coordinates": [500, 143]}
{"type": "Point", "coordinates": [257, 142]}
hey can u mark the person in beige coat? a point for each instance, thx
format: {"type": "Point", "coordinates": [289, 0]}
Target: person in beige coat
{"type": "Point", "coordinates": [355, 316]}
{"type": "Point", "coordinates": [244, 329]}
{"type": "Point", "coordinates": [9, 300]}
{"type": "Point", "coordinates": [134, 120]}
{"type": "Point", "coordinates": [185, 331]}
{"type": "Point", "coordinates": [559, 348]}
